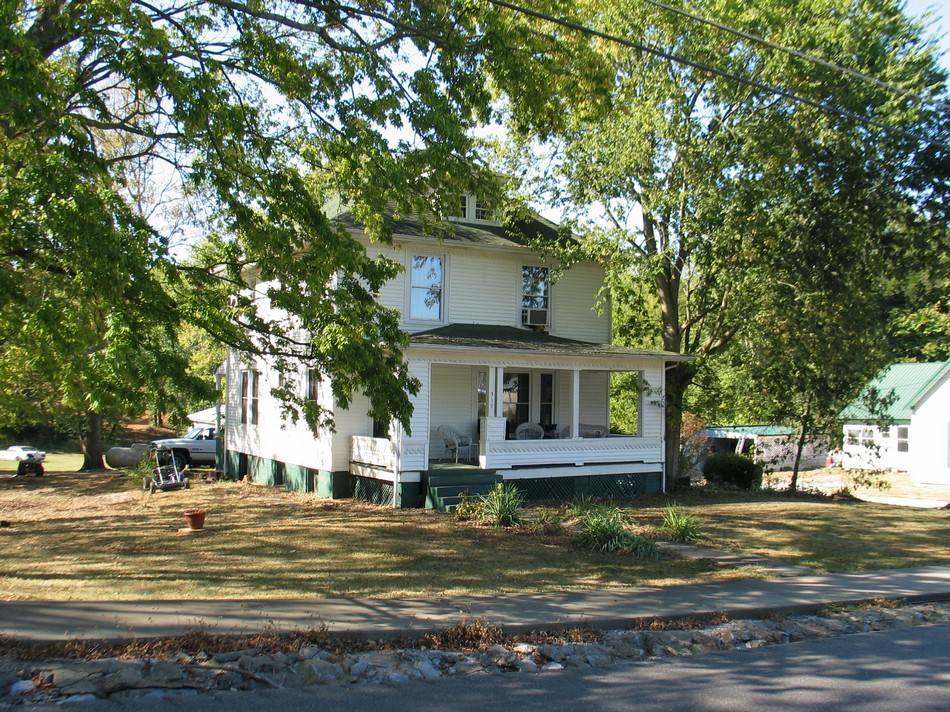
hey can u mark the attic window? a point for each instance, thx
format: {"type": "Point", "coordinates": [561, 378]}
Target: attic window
{"type": "Point", "coordinates": [460, 211]}
{"type": "Point", "coordinates": [482, 210]}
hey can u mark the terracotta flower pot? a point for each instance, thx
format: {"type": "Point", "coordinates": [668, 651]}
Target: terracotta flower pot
{"type": "Point", "coordinates": [195, 519]}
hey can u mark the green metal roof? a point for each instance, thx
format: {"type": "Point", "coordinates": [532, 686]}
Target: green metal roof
{"type": "Point", "coordinates": [737, 431]}
{"type": "Point", "coordinates": [908, 382]}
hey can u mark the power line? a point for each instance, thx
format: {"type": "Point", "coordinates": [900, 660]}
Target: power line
{"type": "Point", "coordinates": [798, 53]}
{"type": "Point", "coordinates": [777, 91]}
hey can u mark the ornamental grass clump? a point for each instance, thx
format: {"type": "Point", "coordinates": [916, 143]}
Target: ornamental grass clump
{"type": "Point", "coordinates": [501, 507]}
{"type": "Point", "coordinates": [545, 522]}
{"type": "Point", "coordinates": [605, 528]}
{"type": "Point", "coordinates": [680, 525]}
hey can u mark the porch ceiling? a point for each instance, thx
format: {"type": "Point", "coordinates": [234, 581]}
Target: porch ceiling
{"type": "Point", "coordinates": [509, 338]}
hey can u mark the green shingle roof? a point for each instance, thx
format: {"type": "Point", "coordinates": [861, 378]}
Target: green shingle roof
{"type": "Point", "coordinates": [736, 431]}
{"type": "Point", "coordinates": [907, 381]}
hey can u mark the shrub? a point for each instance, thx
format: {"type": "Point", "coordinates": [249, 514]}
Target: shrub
{"type": "Point", "coordinates": [680, 525]}
{"type": "Point", "coordinates": [502, 506]}
{"type": "Point", "coordinates": [729, 468]}
{"type": "Point", "coordinates": [469, 508]}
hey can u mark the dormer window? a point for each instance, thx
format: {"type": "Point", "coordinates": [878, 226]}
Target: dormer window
{"type": "Point", "coordinates": [472, 209]}
{"type": "Point", "coordinates": [460, 211]}
{"type": "Point", "coordinates": [535, 296]}
{"type": "Point", "coordinates": [482, 210]}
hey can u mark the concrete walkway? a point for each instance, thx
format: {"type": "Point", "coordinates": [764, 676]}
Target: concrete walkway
{"type": "Point", "coordinates": [381, 618]}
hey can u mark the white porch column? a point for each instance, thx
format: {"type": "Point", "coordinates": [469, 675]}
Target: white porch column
{"type": "Point", "coordinates": [575, 404]}
{"type": "Point", "coordinates": [496, 385]}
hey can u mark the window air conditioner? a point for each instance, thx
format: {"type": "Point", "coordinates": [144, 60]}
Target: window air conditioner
{"type": "Point", "coordinates": [534, 317]}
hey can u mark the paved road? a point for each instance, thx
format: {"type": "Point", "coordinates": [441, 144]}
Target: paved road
{"type": "Point", "coordinates": [907, 670]}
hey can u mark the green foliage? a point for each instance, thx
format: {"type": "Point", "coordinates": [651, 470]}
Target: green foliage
{"type": "Point", "coordinates": [625, 402]}
{"type": "Point", "coordinates": [468, 509]}
{"type": "Point", "coordinates": [605, 528]}
{"type": "Point", "coordinates": [265, 122]}
{"type": "Point", "coordinates": [680, 525]}
{"type": "Point", "coordinates": [581, 504]}
{"type": "Point", "coordinates": [737, 217]}
{"type": "Point", "coordinates": [546, 522]}
{"type": "Point", "coordinates": [140, 473]}
{"type": "Point", "coordinates": [501, 507]}
{"type": "Point", "coordinates": [733, 469]}
{"type": "Point", "coordinates": [870, 479]}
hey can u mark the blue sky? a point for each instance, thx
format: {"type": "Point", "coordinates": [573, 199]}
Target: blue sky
{"type": "Point", "coordinates": [941, 22]}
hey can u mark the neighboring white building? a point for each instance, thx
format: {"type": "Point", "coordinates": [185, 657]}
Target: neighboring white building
{"type": "Point", "coordinates": [916, 438]}
{"type": "Point", "coordinates": [773, 446]}
{"type": "Point", "coordinates": [496, 343]}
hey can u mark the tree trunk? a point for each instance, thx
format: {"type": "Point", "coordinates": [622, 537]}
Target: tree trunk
{"type": "Point", "coordinates": [678, 378]}
{"type": "Point", "coordinates": [92, 443]}
{"type": "Point", "coordinates": [805, 426]}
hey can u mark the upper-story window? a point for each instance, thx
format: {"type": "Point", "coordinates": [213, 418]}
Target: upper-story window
{"type": "Point", "coordinates": [250, 397]}
{"type": "Point", "coordinates": [482, 210]}
{"type": "Point", "coordinates": [472, 209]}
{"type": "Point", "coordinates": [425, 298]}
{"type": "Point", "coordinates": [535, 296]}
{"type": "Point", "coordinates": [460, 211]}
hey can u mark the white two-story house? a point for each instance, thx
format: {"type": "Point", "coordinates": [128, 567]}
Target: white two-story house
{"type": "Point", "coordinates": [515, 368]}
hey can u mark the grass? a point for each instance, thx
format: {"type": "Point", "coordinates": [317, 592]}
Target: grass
{"type": "Point", "coordinates": [55, 461]}
{"type": "Point", "coordinates": [92, 537]}
{"type": "Point", "coordinates": [829, 536]}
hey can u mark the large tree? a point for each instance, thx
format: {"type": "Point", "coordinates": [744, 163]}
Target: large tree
{"type": "Point", "coordinates": [688, 183]}
{"type": "Point", "coordinates": [263, 113]}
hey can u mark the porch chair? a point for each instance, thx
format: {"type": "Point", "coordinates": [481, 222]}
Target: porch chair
{"type": "Point", "coordinates": [455, 441]}
{"type": "Point", "coordinates": [529, 431]}
{"type": "Point", "coordinates": [593, 431]}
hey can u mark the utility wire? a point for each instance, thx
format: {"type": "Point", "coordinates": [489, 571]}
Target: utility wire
{"type": "Point", "coordinates": [798, 53]}
{"type": "Point", "coordinates": [777, 91]}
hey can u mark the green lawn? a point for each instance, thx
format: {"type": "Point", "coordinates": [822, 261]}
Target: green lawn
{"type": "Point", "coordinates": [54, 462]}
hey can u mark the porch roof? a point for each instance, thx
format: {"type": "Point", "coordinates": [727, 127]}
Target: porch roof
{"type": "Point", "coordinates": [511, 338]}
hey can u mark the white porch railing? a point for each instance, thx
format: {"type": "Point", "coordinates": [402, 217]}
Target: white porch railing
{"type": "Point", "coordinates": [381, 453]}
{"type": "Point", "coordinates": [506, 454]}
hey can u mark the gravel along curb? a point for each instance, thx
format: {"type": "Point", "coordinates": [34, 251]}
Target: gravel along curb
{"type": "Point", "coordinates": [184, 673]}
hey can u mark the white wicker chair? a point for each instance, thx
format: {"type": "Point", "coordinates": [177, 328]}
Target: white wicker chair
{"type": "Point", "coordinates": [529, 431]}
{"type": "Point", "coordinates": [455, 441]}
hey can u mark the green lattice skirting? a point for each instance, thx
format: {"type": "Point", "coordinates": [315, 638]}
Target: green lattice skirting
{"type": "Point", "coordinates": [600, 486]}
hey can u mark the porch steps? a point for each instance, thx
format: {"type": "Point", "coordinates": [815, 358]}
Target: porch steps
{"type": "Point", "coordinates": [444, 491]}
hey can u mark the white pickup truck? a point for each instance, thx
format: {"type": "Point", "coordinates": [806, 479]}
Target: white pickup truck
{"type": "Point", "coordinates": [196, 447]}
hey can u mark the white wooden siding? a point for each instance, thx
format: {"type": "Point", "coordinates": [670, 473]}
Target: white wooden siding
{"type": "Point", "coordinates": [452, 395]}
{"type": "Point", "coordinates": [574, 297]}
{"type": "Point", "coordinates": [651, 401]}
{"type": "Point", "coordinates": [354, 420]}
{"type": "Point", "coordinates": [483, 286]}
{"type": "Point", "coordinates": [594, 396]}
{"type": "Point", "coordinates": [929, 445]}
